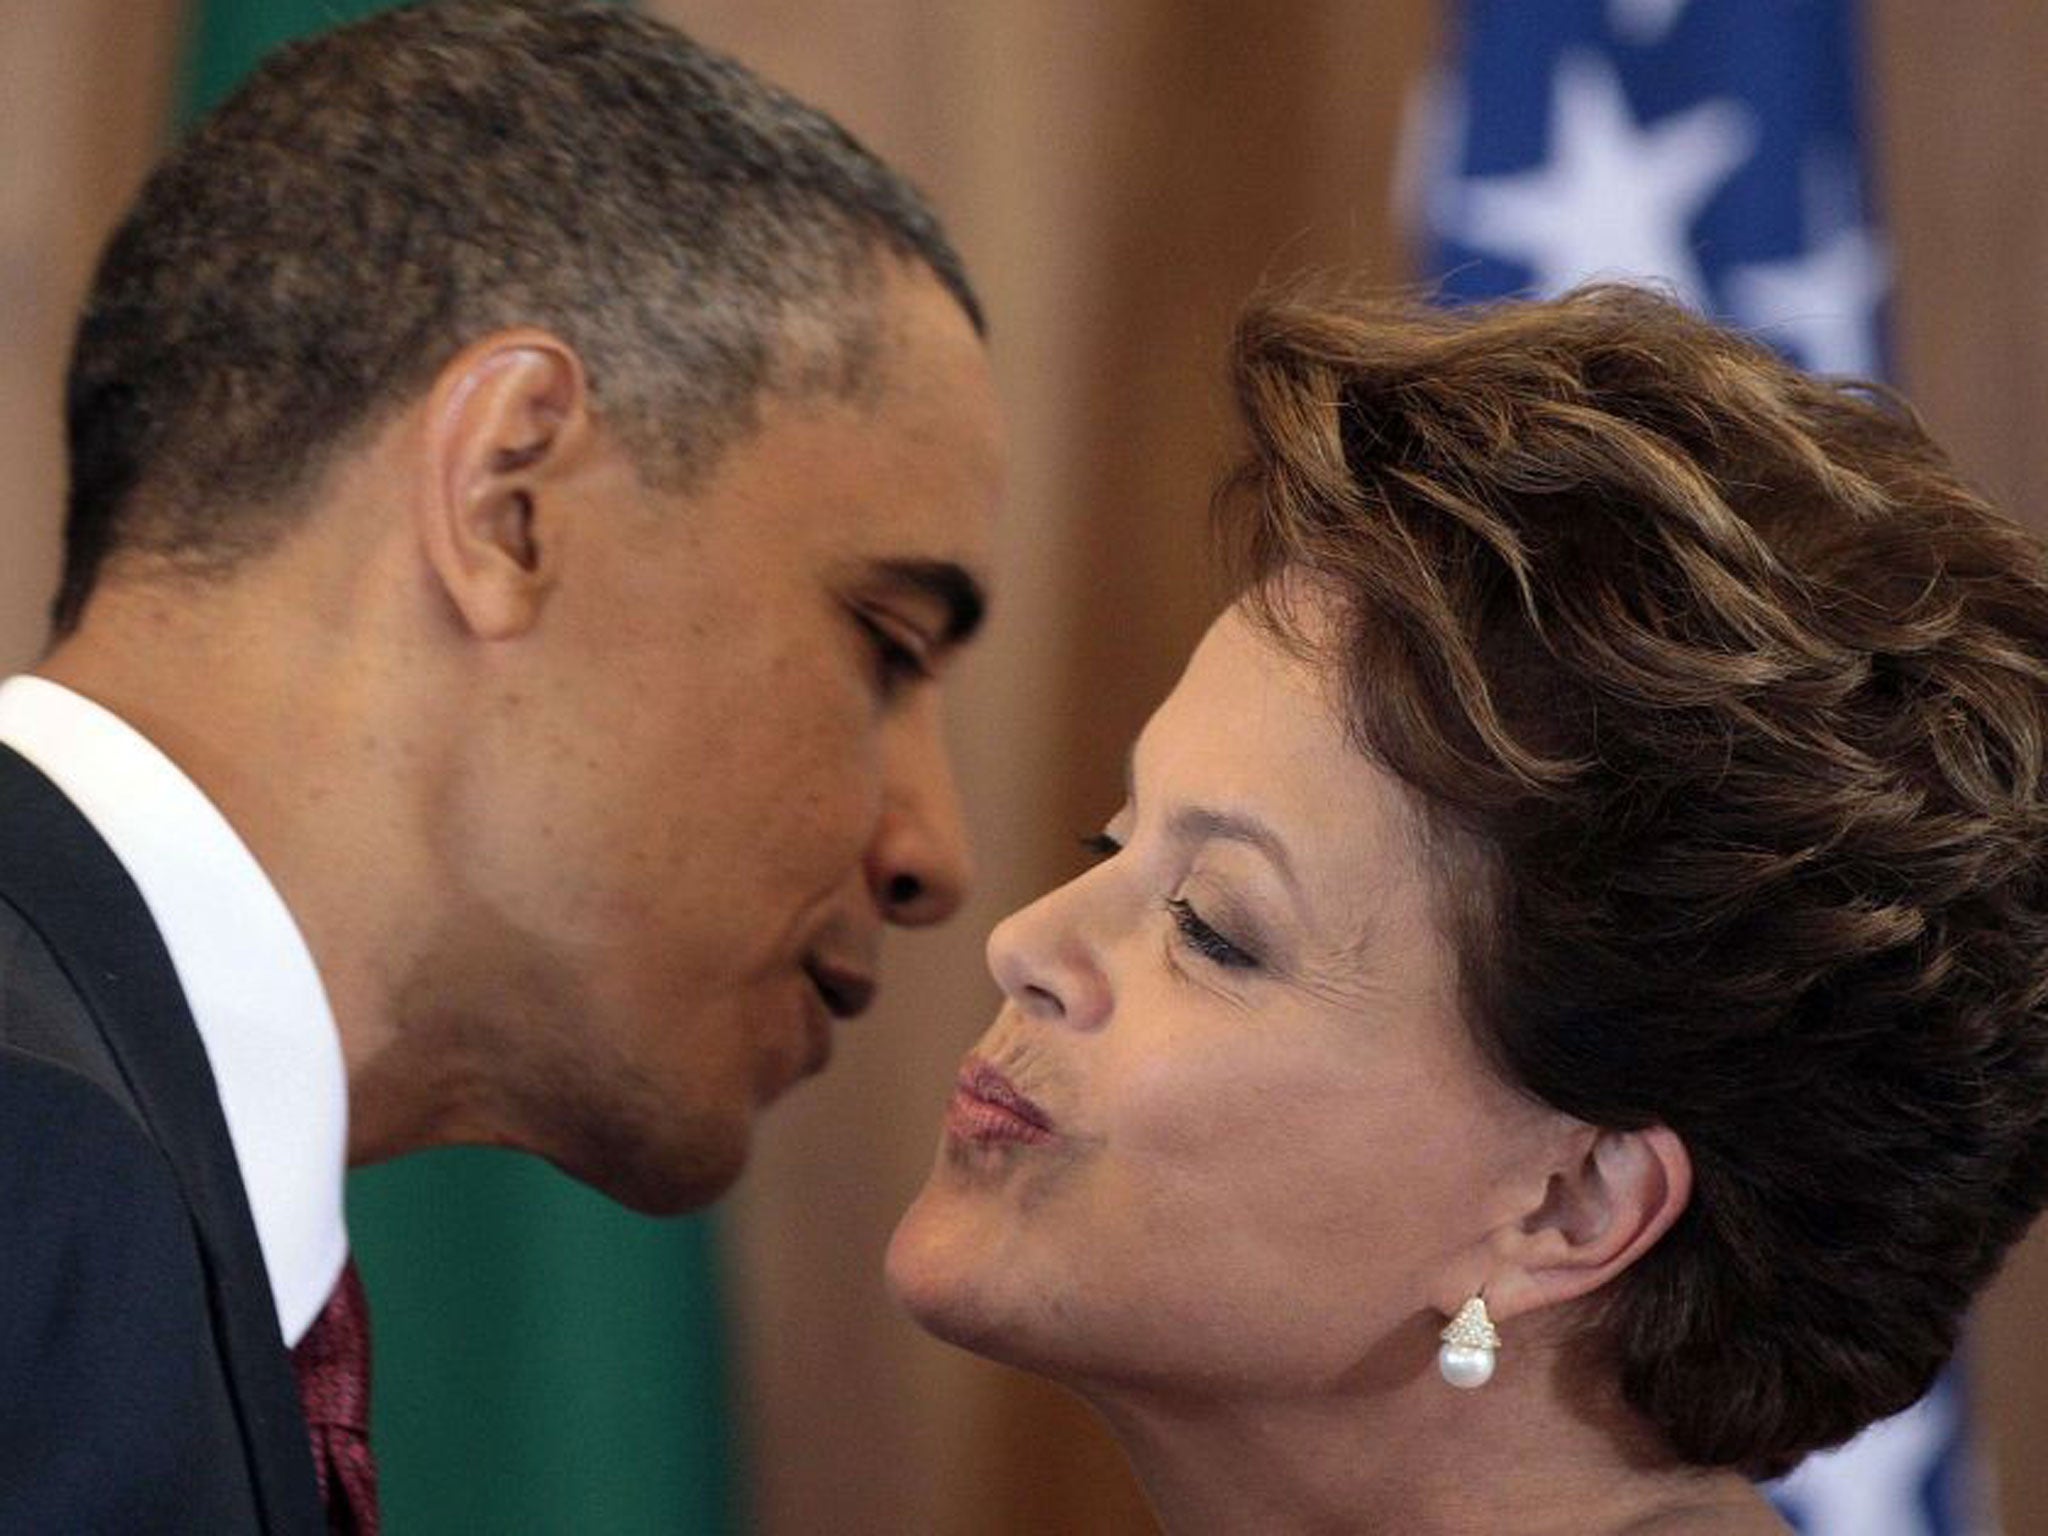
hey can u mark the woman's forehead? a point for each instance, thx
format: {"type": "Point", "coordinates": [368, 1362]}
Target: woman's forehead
{"type": "Point", "coordinates": [1251, 746]}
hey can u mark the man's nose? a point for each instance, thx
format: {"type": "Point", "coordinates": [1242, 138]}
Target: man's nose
{"type": "Point", "coordinates": [918, 865]}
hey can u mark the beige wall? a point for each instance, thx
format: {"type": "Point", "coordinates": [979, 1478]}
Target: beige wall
{"type": "Point", "coordinates": [1119, 174]}
{"type": "Point", "coordinates": [84, 88]}
{"type": "Point", "coordinates": [1963, 121]}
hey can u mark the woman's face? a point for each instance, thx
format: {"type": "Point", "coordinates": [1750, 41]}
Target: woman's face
{"type": "Point", "coordinates": [1227, 1130]}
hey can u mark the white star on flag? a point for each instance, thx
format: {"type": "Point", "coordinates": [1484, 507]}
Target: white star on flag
{"type": "Point", "coordinates": [1644, 21]}
{"type": "Point", "coordinates": [1822, 305]}
{"type": "Point", "coordinates": [1613, 198]}
{"type": "Point", "coordinates": [1887, 1463]}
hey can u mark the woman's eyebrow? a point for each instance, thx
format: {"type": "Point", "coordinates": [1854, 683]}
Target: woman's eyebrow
{"type": "Point", "coordinates": [1201, 823]}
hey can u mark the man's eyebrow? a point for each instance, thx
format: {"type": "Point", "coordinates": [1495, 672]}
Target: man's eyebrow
{"type": "Point", "coordinates": [946, 583]}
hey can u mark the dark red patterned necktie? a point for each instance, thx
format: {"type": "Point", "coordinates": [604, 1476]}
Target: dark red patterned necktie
{"type": "Point", "coordinates": [333, 1364]}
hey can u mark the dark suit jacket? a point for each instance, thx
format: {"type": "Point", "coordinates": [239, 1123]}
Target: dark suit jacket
{"type": "Point", "coordinates": [144, 1386]}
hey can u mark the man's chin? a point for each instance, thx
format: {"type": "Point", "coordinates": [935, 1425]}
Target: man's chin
{"type": "Point", "coordinates": [668, 1181]}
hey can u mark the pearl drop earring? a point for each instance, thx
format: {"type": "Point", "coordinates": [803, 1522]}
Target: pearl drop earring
{"type": "Point", "coordinates": [1470, 1347]}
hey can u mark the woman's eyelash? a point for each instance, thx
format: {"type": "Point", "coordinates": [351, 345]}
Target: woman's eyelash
{"type": "Point", "coordinates": [1206, 941]}
{"type": "Point", "coordinates": [1195, 931]}
{"type": "Point", "coordinates": [1100, 845]}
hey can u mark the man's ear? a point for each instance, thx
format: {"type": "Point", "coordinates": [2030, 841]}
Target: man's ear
{"type": "Point", "coordinates": [505, 421]}
{"type": "Point", "coordinates": [1611, 1196]}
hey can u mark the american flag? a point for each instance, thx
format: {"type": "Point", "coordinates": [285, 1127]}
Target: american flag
{"type": "Point", "coordinates": [1713, 147]}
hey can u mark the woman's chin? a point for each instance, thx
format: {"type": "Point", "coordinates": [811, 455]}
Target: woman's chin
{"type": "Point", "coordinates": [921, 1265]}
{"type": "Point", "coordinates": [939, 1270]}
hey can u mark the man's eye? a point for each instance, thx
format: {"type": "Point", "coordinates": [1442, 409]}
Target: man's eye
{"type": "Point", "coordinates": [1206, 941]}
{"type": "Point", "coordinates": [898, 662]}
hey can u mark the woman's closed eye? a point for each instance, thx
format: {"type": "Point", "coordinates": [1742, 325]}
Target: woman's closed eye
{"type": "Point", "coordinates": [1205, 941]}
{"type": "Point", "coordinates": [1195, 931]}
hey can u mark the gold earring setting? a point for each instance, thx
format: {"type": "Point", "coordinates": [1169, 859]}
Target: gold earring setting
{"type": "Point", "coordinates": [1470, 1348]}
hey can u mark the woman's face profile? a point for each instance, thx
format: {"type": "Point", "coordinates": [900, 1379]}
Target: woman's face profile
{"type": "Point", "coordinates": [1228, 1126]}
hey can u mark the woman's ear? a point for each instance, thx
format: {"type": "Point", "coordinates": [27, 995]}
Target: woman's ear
{"type": "Point", "coordinates": [504, 422]}
{"type": "Point", "coordinates": [1610, 1198]}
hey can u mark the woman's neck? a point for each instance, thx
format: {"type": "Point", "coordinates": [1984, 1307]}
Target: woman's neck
{"type": "Point", "coordinates": [1519, 1454]}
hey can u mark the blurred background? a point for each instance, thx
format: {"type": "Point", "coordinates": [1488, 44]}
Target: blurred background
{"type": "Point", "coordinates": [1120, 175]}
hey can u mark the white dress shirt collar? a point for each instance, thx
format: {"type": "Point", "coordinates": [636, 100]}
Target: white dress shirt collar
{"type": "Point", "coordinates": [248, 977]}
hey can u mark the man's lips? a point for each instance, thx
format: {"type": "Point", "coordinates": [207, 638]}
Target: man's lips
{"type": "Point", "coordinates": [846, 991]}
{"type": "Point", "coordinates": [986, 1107]}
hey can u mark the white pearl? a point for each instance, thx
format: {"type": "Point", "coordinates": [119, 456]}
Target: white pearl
{"type": "Point", "coordinates": [1465, 1365]}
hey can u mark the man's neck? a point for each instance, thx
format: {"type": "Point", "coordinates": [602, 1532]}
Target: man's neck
{"type": "Point", "coordinates": [286, 727]}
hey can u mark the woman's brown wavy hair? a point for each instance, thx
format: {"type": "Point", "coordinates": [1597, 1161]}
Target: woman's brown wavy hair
{"type": "Point", "coordinates": [1726, 702]}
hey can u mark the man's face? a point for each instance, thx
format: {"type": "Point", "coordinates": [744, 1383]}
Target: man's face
{"type": "Point", "coordinates": [717, 770]}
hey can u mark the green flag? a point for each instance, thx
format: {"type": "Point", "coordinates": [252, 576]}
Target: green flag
{"type": "Point", "coordinates": [545, 1362]}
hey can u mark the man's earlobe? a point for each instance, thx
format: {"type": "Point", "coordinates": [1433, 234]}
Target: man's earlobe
{"type": "Point", "coordinates": [505, 422]}
{"type": "Point", "coordinates": [1600, 1211]}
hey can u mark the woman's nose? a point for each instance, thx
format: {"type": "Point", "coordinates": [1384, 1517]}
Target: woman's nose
{"type": "Point", "coordinates": [1048, 963]}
